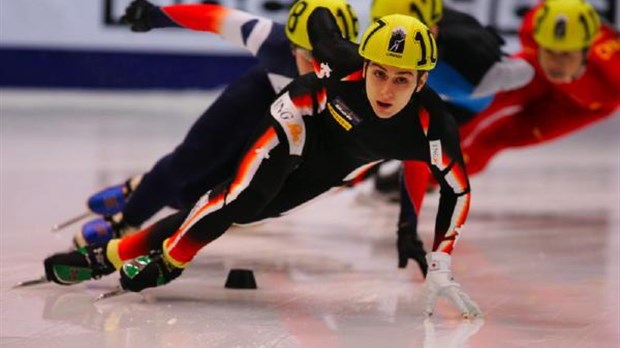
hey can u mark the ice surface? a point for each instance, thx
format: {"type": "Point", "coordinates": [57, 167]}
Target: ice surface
{"type": "Point", "coordinates": [539, 253]}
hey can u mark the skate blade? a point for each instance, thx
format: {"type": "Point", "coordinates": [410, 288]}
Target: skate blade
{"type": "Point", "coordinates": [116, 292]}
{"type": "Point", "coordinates": [71, 221]}
{"type": "Point", "coordinates": [26, 283]}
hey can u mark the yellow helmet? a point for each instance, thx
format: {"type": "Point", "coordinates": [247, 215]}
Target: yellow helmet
{"type": "Point", "coordinates": [400, 41]}
{"type": "Point", "coordinates": [565, 25]}
{"type": "Point", "coordinates": [428, 11]}
{"type": "Point", "coordinates": [296, 26]}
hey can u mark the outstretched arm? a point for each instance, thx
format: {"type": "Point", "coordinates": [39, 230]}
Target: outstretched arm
{"type": "Point", "coordinates": [257, 34]}
{"type": "Point", "coordinates": [448, 168]}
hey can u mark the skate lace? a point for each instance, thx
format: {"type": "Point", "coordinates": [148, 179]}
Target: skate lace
{"type": "Point", "coordinates": [99, 263]}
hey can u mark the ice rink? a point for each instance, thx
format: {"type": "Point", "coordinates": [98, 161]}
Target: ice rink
{"type": "Point", "coordinates": [540, 252]}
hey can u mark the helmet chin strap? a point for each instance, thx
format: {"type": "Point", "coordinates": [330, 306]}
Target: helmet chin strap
{"type": "Point", "coordinates": [579, 73]}
{"type": "Point", "coordinates": [417, 83]}
{"type": "Point", "coordinates": [418, 79]}
{"type": "Point", "coordinates": [584, 62]}
{"type": "Point", "coordinates": [582, 67]}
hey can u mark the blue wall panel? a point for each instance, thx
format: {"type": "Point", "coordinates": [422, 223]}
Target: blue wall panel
{"type": "Point", "coordinates": [54, 68]}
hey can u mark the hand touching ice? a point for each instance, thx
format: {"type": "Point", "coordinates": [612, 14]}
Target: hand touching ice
{"type": "Point", "coordinates": [439, 282]}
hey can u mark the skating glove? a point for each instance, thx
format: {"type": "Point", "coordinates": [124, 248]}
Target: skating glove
{"type": "Point", "coordinates": [410, 247]}
{"type": "Point", "coordinates": [439, 282]}
{"type": "Point", "coordinates": [142, 16]}
{"type": "Point", "coordinates": [148, 272]}
{"type": "Point", "coordinates": [137, 14]}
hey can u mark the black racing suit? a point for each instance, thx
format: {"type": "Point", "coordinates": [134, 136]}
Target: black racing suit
{"type": "Point", "coordinates": [318, 135]}
{"type": "Point", "coordinates": [212, 146]}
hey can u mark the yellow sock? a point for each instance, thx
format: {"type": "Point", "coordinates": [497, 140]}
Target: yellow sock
{"type": "Point", "coordinates": [112, 253]}
{"type": "Point", "coordinates": [171, 260]}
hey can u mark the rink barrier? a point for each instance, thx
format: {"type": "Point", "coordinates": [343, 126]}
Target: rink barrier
{"type": "Point", "coordinates": [92, 69]}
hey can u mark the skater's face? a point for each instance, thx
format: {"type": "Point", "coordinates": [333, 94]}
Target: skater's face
{"type": "Point", "coordinates": [561, 66]}
{"type": "Point", "coordinates": [389, 88]}
{"type": "Point", "coordinates": [303, 59]}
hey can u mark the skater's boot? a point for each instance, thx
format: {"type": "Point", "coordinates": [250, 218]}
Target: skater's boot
{"type": "Point", "coordinates": [101, 230]}
{"type": "Point", "coordinates": [79, 265]}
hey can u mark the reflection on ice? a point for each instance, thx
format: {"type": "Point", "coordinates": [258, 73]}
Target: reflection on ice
{"type": "Point", "coordinates": [539, 253]}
